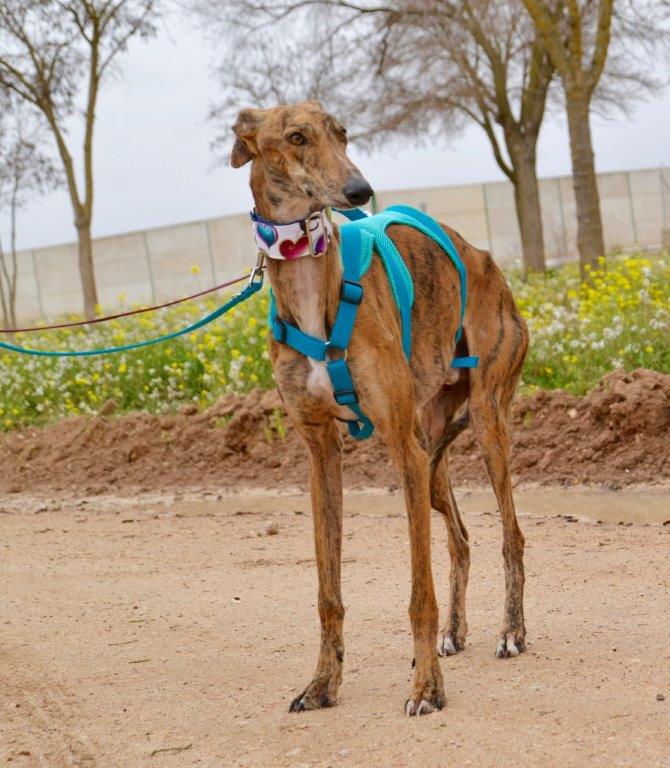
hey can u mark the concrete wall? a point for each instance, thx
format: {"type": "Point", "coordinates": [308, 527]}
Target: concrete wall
{"type": "Point", "coordinates": [156, 264]}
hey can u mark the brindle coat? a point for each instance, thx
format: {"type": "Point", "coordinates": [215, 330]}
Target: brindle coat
{"type": "Point", "coordinates": [299, 164]}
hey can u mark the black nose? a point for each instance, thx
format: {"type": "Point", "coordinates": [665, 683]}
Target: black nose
{"type": "Point", "coordinates": [357, 190]}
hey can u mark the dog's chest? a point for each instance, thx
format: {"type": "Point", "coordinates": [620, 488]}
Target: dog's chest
{"type": "Point", "coordinates": [309, 311]}
{"type": "Point", "coordinates": [318, 382]}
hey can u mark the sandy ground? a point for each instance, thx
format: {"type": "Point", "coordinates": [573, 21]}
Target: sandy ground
{"type": "Point", "coordinates": [163, 631]}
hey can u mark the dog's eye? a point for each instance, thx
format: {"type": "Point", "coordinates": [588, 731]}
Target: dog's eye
{"type": "Point", "coordinates": [297, 139]}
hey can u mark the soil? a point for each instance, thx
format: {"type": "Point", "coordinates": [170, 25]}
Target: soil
{"type": "Point", "coordinates": [172, 631]}
{"type": "Point", "coordinates": [617, 435]}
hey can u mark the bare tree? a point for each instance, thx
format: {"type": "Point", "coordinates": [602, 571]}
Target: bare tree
{"type": "Point", "coordinates": [51, 51]}
{"type": "Point", "coordinates": [481, 59]}
{"type": "Point", "coordinates": [24, 172]}
{"type": "Point", "coordinates": [416, 70]}
{"type": "Point", "coordinates": [579, 35]}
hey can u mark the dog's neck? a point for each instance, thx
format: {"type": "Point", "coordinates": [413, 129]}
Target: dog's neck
{"type": "Point", "coordinates": [306, 290]}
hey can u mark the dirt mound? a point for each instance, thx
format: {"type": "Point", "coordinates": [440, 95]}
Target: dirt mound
{"type": "Point", "coordinates": [618, 434]}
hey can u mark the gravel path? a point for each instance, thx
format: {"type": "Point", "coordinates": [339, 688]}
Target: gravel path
{"type": "Point", "coordinates": [155, 631]}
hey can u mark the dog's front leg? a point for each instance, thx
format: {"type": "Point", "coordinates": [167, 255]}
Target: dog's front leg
{"type": "Point", "coordinates": [413, 466]}
{"type": "Point", "coordinates": [325, 479]}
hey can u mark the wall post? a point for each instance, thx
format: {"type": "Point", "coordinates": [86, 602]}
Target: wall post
{"type": "Point", "coordinates": [561, 211]}
{"type": "Point", "coordinates": [487, 219]}
{"type": "Point", "coordinates": [147, 256]}
{"type": "Point", "coordinates": [37, 284]}
{"type": "Point", "coordinates": [631, 205]}
{"type": "Point", "coordinates": [212, 266]}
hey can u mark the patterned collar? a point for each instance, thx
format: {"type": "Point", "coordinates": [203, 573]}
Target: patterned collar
{"type": "Point", "coordinates": [287, 242]}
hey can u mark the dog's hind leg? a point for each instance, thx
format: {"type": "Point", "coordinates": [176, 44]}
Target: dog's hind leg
{"type": "Point", "coordinates": [451, 638]}
{"type": "Point", "coordinates": [438, 418]}
{"type": "Point", "coordinates": [489, 422]}
{"type": "Point", "coordinates": [325, 475]}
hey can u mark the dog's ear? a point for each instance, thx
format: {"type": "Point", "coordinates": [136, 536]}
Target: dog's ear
{"type": "Point", "coordinates": [245, 129]}
{"type": "Point", "coordinates": [239, 154]}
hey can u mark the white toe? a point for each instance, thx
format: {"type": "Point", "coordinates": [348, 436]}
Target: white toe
{"type": "Point", "coordinates": [445, 645]}
{"type": "Point", "coordinates": [424, 707]}
{"type": "Point", "coordinates": [512, 650]}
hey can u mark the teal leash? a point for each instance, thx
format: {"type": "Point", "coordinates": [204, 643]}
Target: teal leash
{"type": "Point", "coordinates": [254, 285]}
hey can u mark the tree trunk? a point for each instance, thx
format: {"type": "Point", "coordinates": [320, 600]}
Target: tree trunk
{"type": "Point", "coordinates": [527, 200]}
{"type": "Point", "coordinates": [86, 269]}
{"type": "Point", "coordinates": [3, 300]}
{"type": "Point", "coordinates": [13, 273]}
{"type": "Point", "coordinates": [590, 242]}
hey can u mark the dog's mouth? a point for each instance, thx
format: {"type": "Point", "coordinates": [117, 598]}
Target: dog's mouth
{"type": "Point", "coordinates": [326, 200]}
{"type": "Point", "coordinates": [341, 201]}
{"type": "Point", "coordinates": [354, 193]}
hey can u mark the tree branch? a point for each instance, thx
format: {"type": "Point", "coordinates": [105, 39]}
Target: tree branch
{"type": "Point", "coordinates": [602, 42]}
{"type": "Point", "coordinates": [547, 25]}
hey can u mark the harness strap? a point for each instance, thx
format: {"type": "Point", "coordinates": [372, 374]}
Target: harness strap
{"type": "Point", "coordinates": [345, 394]}
{"type": "Point", "coordinates": [288, 334]}
{"type": "Point", "coordinates": [357, 243]}
{"type": "Point", "coordinates": [353, 214]}
{"type": "Point", "coordinates": [465, 362]}
{"type": "Point", "coordinates": [437, 233]}
{"type": "Point", "coordinates": [351, 294]}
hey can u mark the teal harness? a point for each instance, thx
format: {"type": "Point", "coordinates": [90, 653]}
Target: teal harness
{"type": "Point", "coordinates": [359, 238]}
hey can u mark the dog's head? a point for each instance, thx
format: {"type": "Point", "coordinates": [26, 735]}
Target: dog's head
{"type": "Point", "coordinates": [299, 161]}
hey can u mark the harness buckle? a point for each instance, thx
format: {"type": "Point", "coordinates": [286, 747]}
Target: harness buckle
{"type": "Point", "coordinates": [346, 397]}
{"type": "Point", "coordinates": [279, 330]}
{"type": "Point", "coordinates": [351, 292]}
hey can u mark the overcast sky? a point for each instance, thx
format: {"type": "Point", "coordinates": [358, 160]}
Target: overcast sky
{"type": "Point", "coordinates": [154, 165]}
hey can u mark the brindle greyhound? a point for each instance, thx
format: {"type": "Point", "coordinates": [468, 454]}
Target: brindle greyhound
{"type": "Point", "coordinates": [298, 166]}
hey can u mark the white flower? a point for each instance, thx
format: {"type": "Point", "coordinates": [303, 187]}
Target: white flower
{"type": "Point", "coordinates": [235, 367]}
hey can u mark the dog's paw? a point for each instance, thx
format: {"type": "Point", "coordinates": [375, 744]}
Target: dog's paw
{"type": "Point", "coordinates": [414, 707]}
{"type": "Point", "coordinates": [427, 693]}
{"type": "Point", "coordinates": [448, 644]}
{"type": "Point", "coordinates": [311, 699]}
{"type": "Point", "coordinates": [510, 645]}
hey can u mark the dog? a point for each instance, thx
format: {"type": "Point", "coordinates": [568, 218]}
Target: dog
{"type": "Point", "coordinates": [299, 165]}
